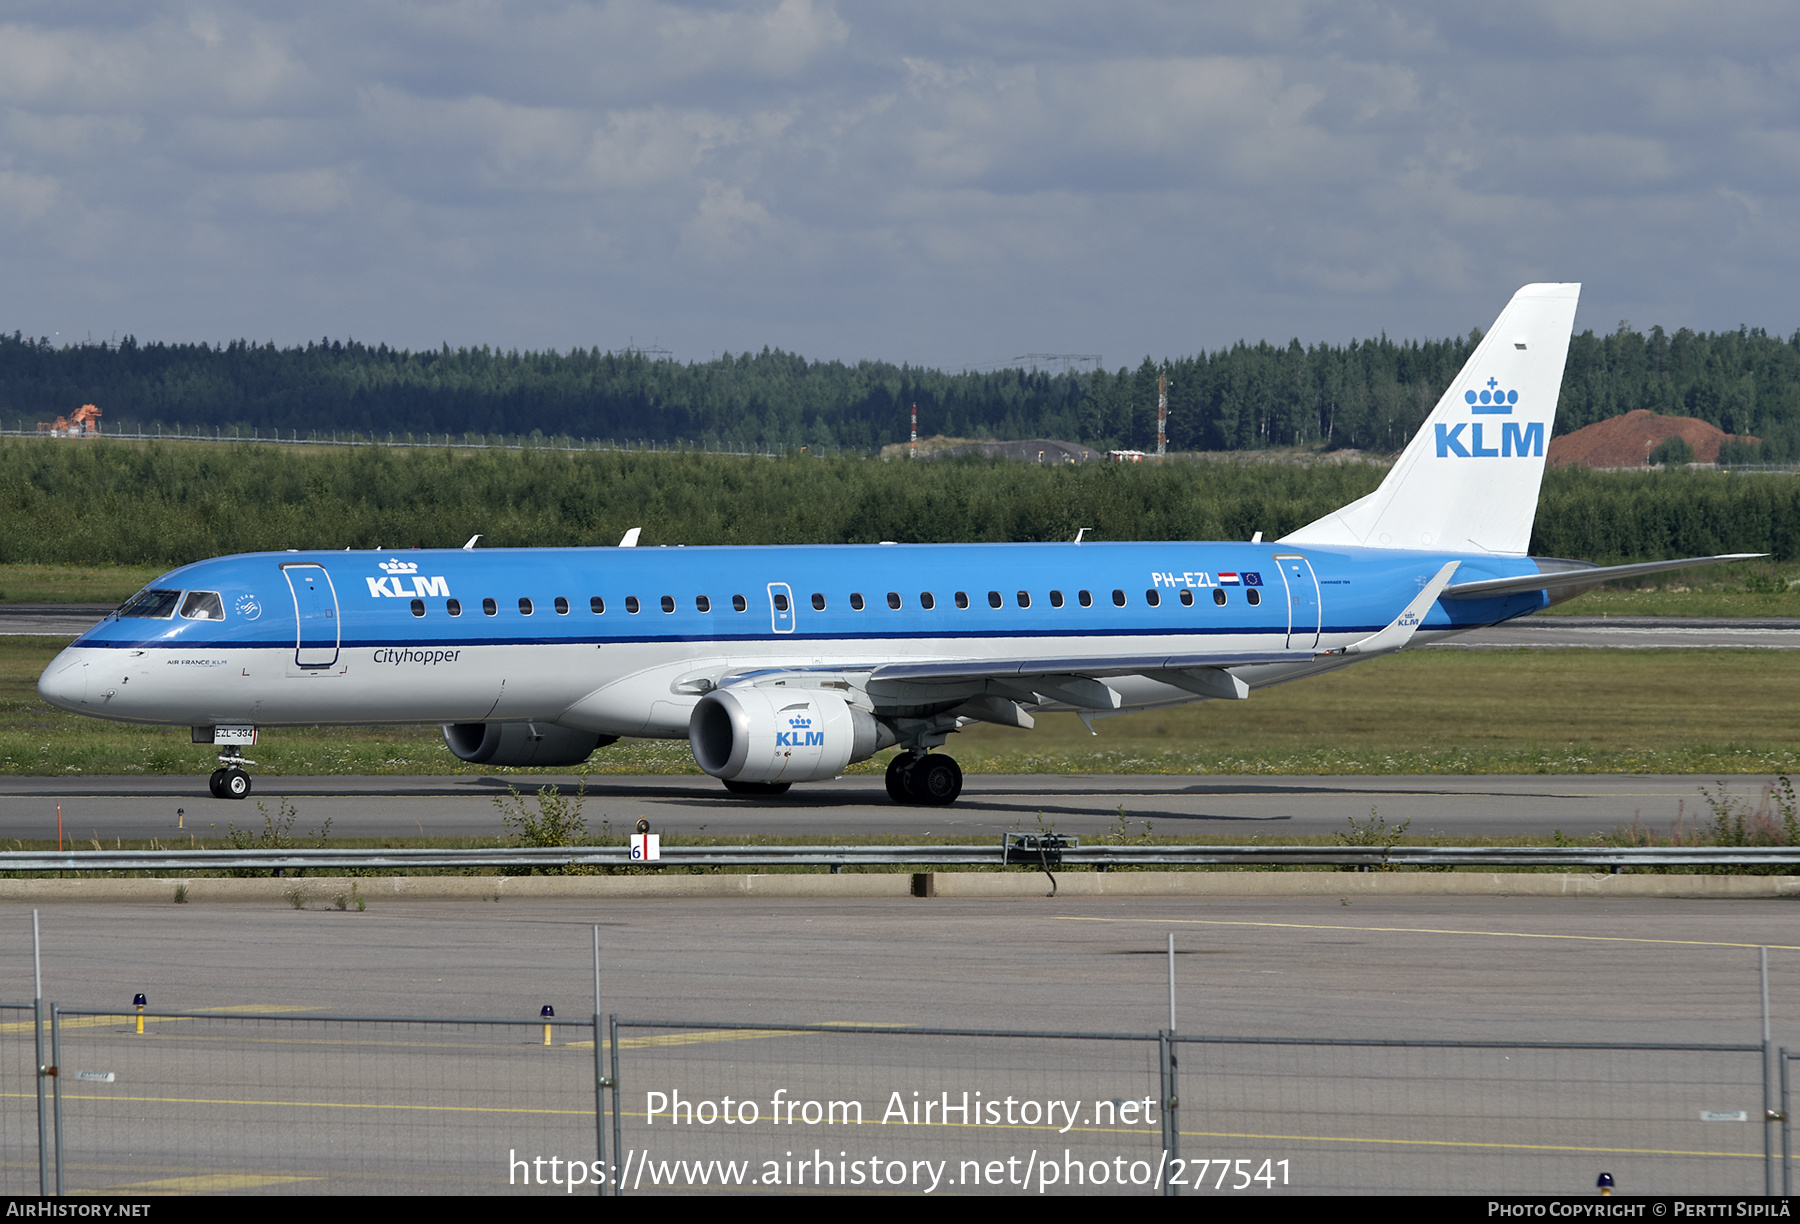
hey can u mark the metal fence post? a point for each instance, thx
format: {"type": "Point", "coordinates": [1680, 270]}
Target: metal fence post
{"type": "Point", "coordinates": [1171, 1112]}
{"type": "Point", "coordinates": [37, 1028]}
{"type": "Point", "coordinates": [600, 1080]}
{"type": "Point", "coordinates": [1787, 1148]}
{"type": "Point", "coordinates": [56, 1093]}
{"type": "Point", "coordinates": [1768, 1105]}
{"type": "Point", "coordinates": [618, 1140]}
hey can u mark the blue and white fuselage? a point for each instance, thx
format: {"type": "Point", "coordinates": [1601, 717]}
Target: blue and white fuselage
{"type": "Point", "coordinates": [622, 642]}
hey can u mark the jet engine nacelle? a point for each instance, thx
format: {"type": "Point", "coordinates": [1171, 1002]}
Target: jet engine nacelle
{"type": "Point", "coordinates": [780, 734]}
{"type": "Point", "coordinates": [522, 743]}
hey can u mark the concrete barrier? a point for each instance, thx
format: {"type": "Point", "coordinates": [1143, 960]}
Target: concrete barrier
{"type": "Point", "coordinates": [325, 891]}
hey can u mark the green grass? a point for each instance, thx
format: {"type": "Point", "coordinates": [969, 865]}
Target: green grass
{"type": "Point", "coordinates": [63, 584]}
{"type": "Point", "coordinates": [1507, 711]}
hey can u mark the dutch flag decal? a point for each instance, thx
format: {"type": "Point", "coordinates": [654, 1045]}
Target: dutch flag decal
{"type": "Point", "coordinates": [1228, 580]}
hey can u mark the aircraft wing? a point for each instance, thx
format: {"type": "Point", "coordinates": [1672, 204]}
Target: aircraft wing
{"type": "Point", "coordinates": [1581, 575]}
{"type": "Point", "coordinates": [994, 690]}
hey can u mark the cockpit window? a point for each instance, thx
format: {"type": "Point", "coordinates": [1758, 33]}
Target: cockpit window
{"type": "Point", "coordinates": [158, 605]}
{"type": "Point", "coordinates": [203, 605]}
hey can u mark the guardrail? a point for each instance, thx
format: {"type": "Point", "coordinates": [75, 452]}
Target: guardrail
{"type": "Point", "coordinates": [1015, 853]}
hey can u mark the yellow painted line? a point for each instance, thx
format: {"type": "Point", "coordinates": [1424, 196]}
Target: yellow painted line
{"type": "Point", "coordinates": [468, 1109]}
{"type": "Point", "coordinates": [1470, 1143]}
{"type": "Point", "coordinates": [83, 1022]}
{"type": "Point", "coordinates": [697, 1037]}
{"type": "Point", "coordinates": [205, 1183]}
{"type": "Point", "coordinates": [1330, 926]}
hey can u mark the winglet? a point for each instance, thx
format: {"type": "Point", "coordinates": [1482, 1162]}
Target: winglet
{"type": "Point", "coordinates": [630, 538]}
{"type": "Point", "coordinates": [1397, 635]}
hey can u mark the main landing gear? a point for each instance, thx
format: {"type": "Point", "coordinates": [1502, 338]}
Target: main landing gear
{"type": "Point", "coordinates": [923, 780]}
{"type": "Point", "coordinates": [229, 781]}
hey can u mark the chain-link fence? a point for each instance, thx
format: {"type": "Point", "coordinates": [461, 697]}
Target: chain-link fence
{"type": "Point", "coordinates": [277, 1103]}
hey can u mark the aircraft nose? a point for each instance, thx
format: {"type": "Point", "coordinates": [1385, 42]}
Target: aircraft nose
{"type": "Point", "coordinates": [64, 683]}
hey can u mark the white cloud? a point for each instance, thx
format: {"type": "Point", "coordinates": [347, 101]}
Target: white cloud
{"type": "Point", "coordinates": [933, 182]}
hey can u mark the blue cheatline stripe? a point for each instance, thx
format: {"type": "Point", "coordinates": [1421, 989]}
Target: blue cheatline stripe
{"type": "Point", "coordinates": [812, 639]}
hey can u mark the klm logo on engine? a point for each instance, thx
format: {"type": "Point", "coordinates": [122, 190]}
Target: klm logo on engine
{"type": "Point", "coordinates": [403, 581]}
{"type": "Point", "coordinates": [1516, 441]}
{"type": "Point", "coordinates": [799, 736]}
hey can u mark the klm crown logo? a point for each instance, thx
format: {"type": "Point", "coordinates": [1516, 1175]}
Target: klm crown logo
{"type": "Point", "coordinates": [1516, 441]}
{"type": "Point", "coordinates": [394, 565]}
{"type": "Point", "coordinates": [1491, 401]}
{"type": "Point", "coordinates": [799, 722]}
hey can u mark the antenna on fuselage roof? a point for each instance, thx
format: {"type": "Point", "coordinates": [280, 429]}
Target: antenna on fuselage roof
{"type": "Point", "coordinates": [1079, 533]}
{"type": "Point", "coordinates": [630, 538]}
{"type": "Point", "coordinates": [470, 546]}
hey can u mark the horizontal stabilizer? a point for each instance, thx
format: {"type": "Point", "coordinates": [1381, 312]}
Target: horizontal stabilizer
{"type": "Point", "coordinates": [1583, 575]}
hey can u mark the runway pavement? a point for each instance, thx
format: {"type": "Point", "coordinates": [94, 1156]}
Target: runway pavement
{"type": "Point", "coordinates": [1194, 807]}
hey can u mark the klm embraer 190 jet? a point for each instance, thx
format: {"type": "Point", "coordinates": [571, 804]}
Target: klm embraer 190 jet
{"type": "Point", "coordinates": [786, 664]}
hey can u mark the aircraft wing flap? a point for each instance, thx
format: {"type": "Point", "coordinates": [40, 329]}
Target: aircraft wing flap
{"type": "Point", "coordinates": [1092, 665]}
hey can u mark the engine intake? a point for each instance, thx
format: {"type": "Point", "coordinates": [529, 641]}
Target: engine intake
{"type": "Point", "coordinates": [522, 743]}
{"type": "Point", "coordinates": [781, 734]}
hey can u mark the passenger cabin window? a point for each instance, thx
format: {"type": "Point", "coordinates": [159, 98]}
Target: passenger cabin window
{"type": "Point", "coordinates": [490, 607]}
{"type": "Point", "coordinates": [154, 605]}
{"type": "Point", "coordinates": [1254, 596]}
{"type": "Point", "coordinates": [1187, 598]}
{"type": "Point", "coordinates": [1086, 598]}
{"type": "Point", "coordinates": [818, 602]}
{"type": "Point", "coordinates": [668, 603]}
{"type": "Point", "coordinates": [418, 607]}
{"type": "Point", "coordinates": [962, 599]}
{"type": "Point", "coordinates": [1118, 599]}
{"type": "Point", "coordinates": [453, 607]}
{"type": "Point", "coordinates": [702, 604]}
{"type": "Point", "coordinates": [1219, 596]}
{"type": "Point", "coordinates": [894, 600]}
{"type": "Point", "coordinates": [596, 605]}
{"type": "Point", "coordinates": [994, 600]}
{"type": "Point", "coordinates": [781, 601]}
{"type": "Point", "coordinates": [631, 604]}
{"type": "Point", "coordinates": [738, 603]}
{"type": "Point", "coordinates": [1056, 599]}
{"type": "Point", "coordinates": [856, 601]}
{"type": "Point", "coordinates": [562, 606]}
{"type": "Point", "coordinates": [1024, 599]}
{"type": "Point", "coordinates": [203, 605]}
{"type": "Point", "coordinates": [927, 600]}
{"type": "Point", "coordinates": [1153, 598]}
{"type": "Point", "coordinates": [524, 606]}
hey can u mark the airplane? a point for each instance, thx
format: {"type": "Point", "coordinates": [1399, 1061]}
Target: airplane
{"type": "Point", "coordinates": [786, 664]}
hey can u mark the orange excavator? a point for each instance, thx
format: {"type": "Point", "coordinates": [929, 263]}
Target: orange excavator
{"type": "Point", "coordinates": [83, 423]}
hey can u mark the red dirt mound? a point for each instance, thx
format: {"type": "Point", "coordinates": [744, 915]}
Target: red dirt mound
{"type": "Point", "coordinates": [1626, 441]}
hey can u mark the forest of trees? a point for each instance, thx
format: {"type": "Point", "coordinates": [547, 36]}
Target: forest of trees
{"type": "Point", "coordinates": [111, 502]}
{"type": "Point", "coordinates": [1367, 395]}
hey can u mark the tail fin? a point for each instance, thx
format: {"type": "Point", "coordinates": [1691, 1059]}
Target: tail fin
{"type": "Point", "coordinates": [1468, 481]}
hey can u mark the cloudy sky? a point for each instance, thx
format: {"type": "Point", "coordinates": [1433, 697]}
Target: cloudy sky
{"type": "Point", "coordinates": [935, 182]}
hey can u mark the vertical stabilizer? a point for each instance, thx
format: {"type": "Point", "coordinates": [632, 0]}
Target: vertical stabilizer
{"type": "Point", "coordinates": [1468, 481]}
